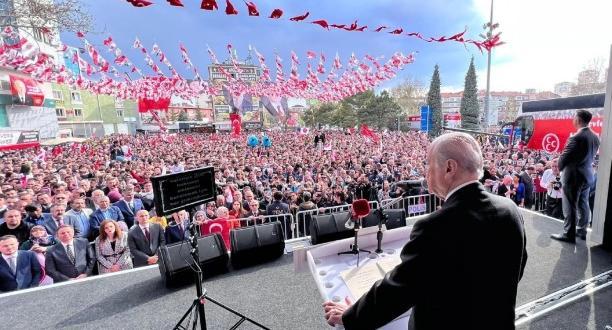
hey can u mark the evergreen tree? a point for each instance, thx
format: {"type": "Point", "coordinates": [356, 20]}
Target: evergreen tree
{"type": "Point", "coordinates": [470, 110]}
{"type": "Point", "coordinates": [434, 100]}
{"type": "Point", "coordinates": [183, 116]}
{"type": "Point", "coordinates": [198, 115]}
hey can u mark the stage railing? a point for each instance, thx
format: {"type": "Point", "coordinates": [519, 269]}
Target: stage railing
{"type": "Point", "coordinates": [414, 205]}
{"type": "Point", "coordinates": [303, 218]}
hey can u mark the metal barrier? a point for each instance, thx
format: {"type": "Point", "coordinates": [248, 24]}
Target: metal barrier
{"type": "Point", "coordinates": [303, 218]}
{"type": "Point", "coordinates": [414, 205]}
{"type": "Point", "coordinates": [287, 222]}
{"type": "Point", "coordinates": [539, 204]}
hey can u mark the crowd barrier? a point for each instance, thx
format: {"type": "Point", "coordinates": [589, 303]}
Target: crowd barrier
{"type": "Point", "coordinates": [303, 218]}
{"type": "Point", "coordinates": [297, 226]}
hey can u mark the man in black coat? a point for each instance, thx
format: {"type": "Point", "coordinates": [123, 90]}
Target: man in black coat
{"type": "Point", "coordinates": [576, 166]}
{"type": "Point", "coordinates": [463, 262]}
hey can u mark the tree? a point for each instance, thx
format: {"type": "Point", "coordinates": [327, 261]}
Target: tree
{"type": "Point", "coordinates": [66, 15]}
{"type": "Point", "coordinates": [320, 115]}
{"type": "Point", "coordinates": [198, 115]}
{"type": "Point", "coordinates": [409, 95]}
{"type": "Point", "coordinates": [344, 116]}
{"type": "Point", "coordinates": [183, 116]}
{"type": "Point", "coordinates": [388, 111]}
{"type": "Point", "coordinates": [434, 100]}
{"type": "Point", "coordinates": [592, 79]}
{"type": "Point", "coordinates": [470, 109]}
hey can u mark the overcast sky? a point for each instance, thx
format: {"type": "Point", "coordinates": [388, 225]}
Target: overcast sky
{"type": "Point", "coordinates": [547, 41]}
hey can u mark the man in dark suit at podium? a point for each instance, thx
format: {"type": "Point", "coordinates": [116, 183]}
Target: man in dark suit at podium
{"type": "Point", "coordinates": [576, 166]}
{"type": "Point", "coordinates": [463, 262]}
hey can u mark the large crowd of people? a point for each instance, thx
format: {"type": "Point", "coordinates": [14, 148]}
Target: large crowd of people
{"type": "Point", "coordinates": [53, 202]}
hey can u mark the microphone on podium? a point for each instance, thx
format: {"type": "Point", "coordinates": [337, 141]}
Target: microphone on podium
{"type": "Point", "coordinates": [361, 208]}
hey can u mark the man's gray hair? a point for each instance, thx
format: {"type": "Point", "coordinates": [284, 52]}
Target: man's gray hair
{"type": "Point", "coordinates": [462, 148]}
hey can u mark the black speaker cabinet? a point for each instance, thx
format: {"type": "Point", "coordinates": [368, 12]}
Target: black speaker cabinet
{"type": "Point", "coordinates": [329, 227]}
{"type": "Point", "coordinates": [175, 260]}
{"type": "Point", "coordinates": [256, 244]}
{"type": "Point", "coordinates": [395, 218]}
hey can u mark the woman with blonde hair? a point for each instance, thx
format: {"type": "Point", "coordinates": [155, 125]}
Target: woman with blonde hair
{"type": "Point", "coordinates": [112, 249]}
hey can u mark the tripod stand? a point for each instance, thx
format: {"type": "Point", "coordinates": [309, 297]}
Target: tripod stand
{"type": "Point", "coordinates": [355, 246]}
{"type": "Point", "coordinates": [198, 302]}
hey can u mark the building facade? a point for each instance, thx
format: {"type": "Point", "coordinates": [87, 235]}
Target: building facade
{"type": "Point", "coordinates": [504, 106]}
{"type": "Point", "coordinates": [81, 113]}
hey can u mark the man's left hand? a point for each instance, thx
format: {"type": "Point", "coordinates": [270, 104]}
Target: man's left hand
{"type": "Point", "coordinates": [334, 311]}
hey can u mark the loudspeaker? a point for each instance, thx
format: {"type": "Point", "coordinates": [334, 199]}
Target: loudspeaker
{"type": "Point", "coordinates": [175, 259]}
{"type": "Point", "coordinates": [395, 218]}
{"type": "Point", "coordinates": [256, 244]}
{"type": "Point", "coordinates": [329, 227]}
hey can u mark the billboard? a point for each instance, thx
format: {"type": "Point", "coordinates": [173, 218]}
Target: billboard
{"type": "Point", "coordinates": [11, 140]}
{"type": "Point", "coordinates": [26, 91]}
{"type": "Point", "coordinates": [414, 122]}
{"type": "Point", "coordinates": [426, 119]}
{"type": "Point", "coordinates": [452, 120]}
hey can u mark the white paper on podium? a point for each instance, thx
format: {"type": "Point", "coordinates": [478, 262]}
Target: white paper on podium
{"type": "Point", "coordinates": [327, 267]}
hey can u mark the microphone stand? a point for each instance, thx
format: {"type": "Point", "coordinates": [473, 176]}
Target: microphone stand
{"type": "Point", "coordinates": [355, 246]}
{"type": "Point", "coordinates": [202, 296]}
{"type": "Point", "coordinates": [382, 219]}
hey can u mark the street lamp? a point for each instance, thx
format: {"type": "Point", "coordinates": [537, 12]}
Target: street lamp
{"type": "Point", "coordinates": [489, 27]}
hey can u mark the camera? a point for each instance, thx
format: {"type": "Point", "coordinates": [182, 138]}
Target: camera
{"type": "Point", "coordinates": [556, 185]}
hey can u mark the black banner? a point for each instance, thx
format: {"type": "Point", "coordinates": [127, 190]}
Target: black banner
{"type": "Point", "coordinates": [178, 191]}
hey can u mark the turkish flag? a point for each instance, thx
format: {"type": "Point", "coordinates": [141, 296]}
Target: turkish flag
{"type": "Point", "coordinates": [236, 123]}
{"type": "Point", "coordinates": [221, 226]}
{"type": "Point", "coordinates": [367, 132]}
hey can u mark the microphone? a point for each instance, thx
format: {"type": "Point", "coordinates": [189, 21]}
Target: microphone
{"type": "Point", "coordinates": [361, 208]}
{"type": "Point", "coordinates": [409, 184]}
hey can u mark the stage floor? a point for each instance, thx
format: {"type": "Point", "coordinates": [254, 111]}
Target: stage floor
{"type": "Point", "coordinates": [274, 295]}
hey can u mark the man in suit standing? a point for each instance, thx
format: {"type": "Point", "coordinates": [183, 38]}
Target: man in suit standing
{"type": "Point", "coordinates": [529, 187]}
{"type": "Point", "coordinates": [106, 211]}
{"type": "Point", "coordinates": [180, 230]}
{"type": "Point", "coordinates": [144, 240]}
{"type": "Point", "coordinates": [71, 259]}
{"type": "Point", "coordinates": [79, 215]}
{"type": "Point", "coordinates": [58, 219]}
{"type": "Point", "coordinates": [576, 166]}
{"type": "Point", "coordinates": [482, 294]}
{"type": "Point", "coordinates": [18, 269]}
{"type": "Point", "coordinates": [129, 206]}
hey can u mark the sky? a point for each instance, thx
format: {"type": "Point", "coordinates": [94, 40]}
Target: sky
{"type": "Point", "coordinates": [546, 41]}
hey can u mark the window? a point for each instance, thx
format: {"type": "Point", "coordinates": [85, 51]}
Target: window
{"type": "Point", "coordinates": [60, 112]}
{"type": "Point", "coordinates": [5, 85]}
{"type": "Point", "coordinates": [76, 97]}
{"type": "Point", "coordinates": [78, 112]}
{"type": "Point", "coordinates": [41, 35]}
{"type": "Point", "coordinates": [58, 95]}
{"type": "Point", "coordinates": [119, 112]}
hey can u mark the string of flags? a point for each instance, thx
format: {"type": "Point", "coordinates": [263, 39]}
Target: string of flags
{"type": "Point", "coordinates": [277, 14]}
{"type": "Point", "coordinates": [108, 72]}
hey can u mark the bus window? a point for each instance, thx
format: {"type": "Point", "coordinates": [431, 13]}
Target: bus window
{"type": "Point", "coordinates": [526, 125]}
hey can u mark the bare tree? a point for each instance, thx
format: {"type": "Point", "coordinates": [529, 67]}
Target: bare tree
{"type": "Point", "coordinates": [592, 79]}
{"type": "Point", "coordinates": [45, 15]}
{"type": "Point", "coordinates": [409, 95]}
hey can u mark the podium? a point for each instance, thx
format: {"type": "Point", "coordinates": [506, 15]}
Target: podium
{"type": "Point", "coordinates": [328, 268]}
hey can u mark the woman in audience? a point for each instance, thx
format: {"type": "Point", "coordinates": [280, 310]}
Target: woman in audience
{"type": "Point", "coordinates": [519, 190]}
{"type": "Point", "coordinates": [38, 243]}
{"type": "Point", "coordinates": [112, 250]}
{"type": "Point", "coordinates": [237, 211]}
